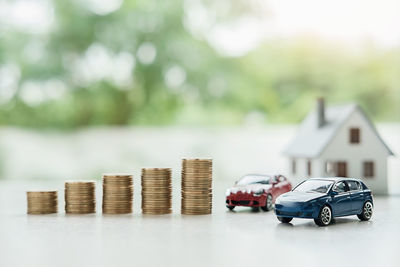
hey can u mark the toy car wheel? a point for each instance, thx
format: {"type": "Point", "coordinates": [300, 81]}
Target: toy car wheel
{"type": "Point", "coordinates": [230, 207]}
{"type": "Point", "coordinates": [324, 217]}
{"type": "Point", "coordinates": [367, 211]}
{"type": "Point", "coordinates": [268, 204]}
{"type": "Point", "coordinates": [284, 219]}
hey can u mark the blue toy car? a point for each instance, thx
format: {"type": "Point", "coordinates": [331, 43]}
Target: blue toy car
{"type": "Point", "coordinates": [322, 199]}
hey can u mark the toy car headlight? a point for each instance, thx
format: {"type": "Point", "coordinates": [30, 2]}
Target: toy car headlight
{"type": "Point", "coordinates": [258, 192]}
{"type": "Point", "coordinates": [278, 200]}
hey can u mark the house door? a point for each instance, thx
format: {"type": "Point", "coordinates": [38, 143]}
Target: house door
{"type": "Point", "coordinates": [341, 169]}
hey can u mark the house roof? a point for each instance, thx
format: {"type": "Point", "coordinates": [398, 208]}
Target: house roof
{"type": "Point", "coordinates": [311, 141]}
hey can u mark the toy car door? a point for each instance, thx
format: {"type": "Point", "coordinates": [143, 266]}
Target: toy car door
{"type": "Point", "coordinates": [275, 186]}
{"type": "Point", "coordinates": [356, 195]}
{"type": "Point", "coordinates": [341, 202]}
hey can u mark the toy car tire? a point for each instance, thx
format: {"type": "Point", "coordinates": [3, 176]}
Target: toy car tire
{"type": "Point", "coordinates": [324, 217]}
{"type": "Point", "coordinates": [230, 207]}
{"type": "Point", "coordinates": [367, 211]}
{"type": "Point", "coordinates": [284, 219]}
{"type": "Point", "coordinates": [268, 203]}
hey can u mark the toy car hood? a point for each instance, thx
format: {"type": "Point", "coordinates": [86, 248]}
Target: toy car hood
{"type": "Point", "coordinates": [294, 196]}
{"type": "Point", "coordinates": [251, 188]}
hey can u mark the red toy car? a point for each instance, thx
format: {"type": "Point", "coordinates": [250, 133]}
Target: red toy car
{"type": "Point", "coordinates": [257, 191]}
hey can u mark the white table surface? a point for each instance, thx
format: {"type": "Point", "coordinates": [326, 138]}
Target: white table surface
{"type": "Point", "coordinates": [241, 238]}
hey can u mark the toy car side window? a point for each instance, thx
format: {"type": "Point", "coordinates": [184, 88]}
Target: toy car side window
{"type": "Point", "coordinates": [340, 187]}
{"type": "Point", "coordinates": [359, 186]}
{"type": "Point", "coordinates": [354, 185]}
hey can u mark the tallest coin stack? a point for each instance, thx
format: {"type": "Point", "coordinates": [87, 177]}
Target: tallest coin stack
{"type": "Point", "coordinates": [196, 186]}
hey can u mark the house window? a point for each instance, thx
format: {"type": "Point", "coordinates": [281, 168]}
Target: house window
{"type": "Point", "coordinates": [294, 166]}
{"type": "Point", "coordinates": [368, 169]}
{"type": "Point", "coordinates": [341, 169]}
{"type": "Point", "coordinates": [355, 135]}
{"type": "Point", "coordinates": [330, 167]}
{"type": "Point", "coordinates": [309, 167]}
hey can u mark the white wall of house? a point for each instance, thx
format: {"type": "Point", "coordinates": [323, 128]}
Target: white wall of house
{"type": "Point", "coordinates": [301, 169]}
{"type": "Point", "coordinates": [370, 148]}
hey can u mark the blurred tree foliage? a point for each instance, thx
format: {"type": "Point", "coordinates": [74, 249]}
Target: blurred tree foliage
{"type": "Point", "coordinates": [278, 81]}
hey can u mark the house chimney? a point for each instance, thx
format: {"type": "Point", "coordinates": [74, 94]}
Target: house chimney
{"type": "Point", "coordinates": [320, 112]}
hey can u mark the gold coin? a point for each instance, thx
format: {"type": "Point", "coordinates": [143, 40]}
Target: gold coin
{"type": "Point", "coordinates": [117, 175]}
{"type": "Point", "coordinates": [157, 191]}
{"type": "Point", "coordinates": [80, 211]}
{"type": "Point", "coordinates": [156, 182]}
{"type": "Point", "coordinates": [203, 210]}
{"type": "Point", "coordinates": [156, 171]}
{"type": "Point", "coordinates": [196, 202]}
{"type": "Point", "coordinates": [77, 198]}
{"type": "Point", "coordinates": [153, 212]}
{"type": "Point", "coordinates": [41, 192]}
{"type": "Point", "coordinates": [32, 203]}
{"type": "Point", "coordinates": [115, 204]}
{"type": "Point", "coordinates": [196, 160]}
{"type": "Point", "coordinates": [117, 181]}
{"type": "Point", "coordinates": [196, 188]}
{"type": "Point", "coordinates": [160, 201]}
{"type": "Point", "coordinates": [116, 186]}
{"type": "Point", "coordinates": [196, 192]}
{"type": "Point", "coordinates": [156, 195]}
{"type": "Point", "coordinates": [41, 212]}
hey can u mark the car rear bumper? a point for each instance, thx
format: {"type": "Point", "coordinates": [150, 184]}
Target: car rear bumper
{"type": "Point", "coordinates": [246, 200]}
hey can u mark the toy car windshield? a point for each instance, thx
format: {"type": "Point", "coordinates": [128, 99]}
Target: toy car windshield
{"type": "Point", "coordinates": [319, 186]}
{"type": "Point", "coordinates": [253, 179]}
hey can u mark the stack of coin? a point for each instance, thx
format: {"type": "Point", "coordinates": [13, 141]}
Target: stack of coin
{"type": "Point", "coordinates": [117, 193]}
{"type": "Point", "coordinates": [42, 202]}
{"type": "Point", "coordinates": [80, 197]}
{"type": "Point", "coordinates": [156, 191]}
{"type": "Point", "coordinates": [196, 186]}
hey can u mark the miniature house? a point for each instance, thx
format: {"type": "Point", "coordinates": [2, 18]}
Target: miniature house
{"type": "Point", "coordinates": [339, 141]}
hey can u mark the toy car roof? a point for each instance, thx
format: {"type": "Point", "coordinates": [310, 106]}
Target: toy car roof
{"type": "Point", "coordinates": [262, 175]}
{"type": "Point", "coordinates": [335, 179]}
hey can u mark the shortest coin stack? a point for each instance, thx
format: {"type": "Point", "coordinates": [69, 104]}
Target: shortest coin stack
{"type": "Point", "coordinates": [42, 202]}
{"type": "Point", "coordinates": [80, 197]}
{"type": "Point", "coordinates": [117, 193]}
{"type": "Point", "coordinates": [156, 191]}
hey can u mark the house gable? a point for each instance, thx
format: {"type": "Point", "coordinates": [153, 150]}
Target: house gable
{"type": "Point", "coordinates": [370, 144]}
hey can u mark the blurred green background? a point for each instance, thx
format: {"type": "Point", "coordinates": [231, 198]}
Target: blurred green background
{"type": "Point", "coordinates": [68, 64]}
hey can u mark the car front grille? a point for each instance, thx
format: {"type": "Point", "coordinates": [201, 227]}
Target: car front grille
{"type": "Point", "coordinates": [288, 213]}
{"type": "Point", "coordinates": [240, 202]}
{"type": "Point", "coordinates": [294, 214]}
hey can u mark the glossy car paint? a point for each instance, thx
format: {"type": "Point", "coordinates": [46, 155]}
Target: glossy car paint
{"type": "Point", "coordinates": [245, 196]}
{"type": "Point", "coordinates": [308, 205]}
